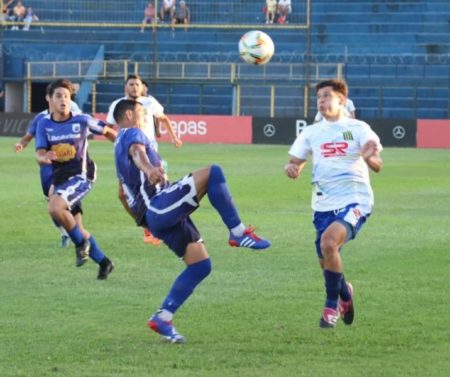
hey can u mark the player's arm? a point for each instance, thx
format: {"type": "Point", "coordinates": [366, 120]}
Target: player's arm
{"type": "Point", "coordinates": [294, 167]}
{"type": "Point", "coordinates": [22, 144]}
{"type": "Point", "coordinates": [371, 154]}
{"type": "Point", "coordinates": [45, 157]}
{"type": "Point", "coordinates": [154, 174]}
{"type": "Point", "coordinates": [110, 133]}
{"type": "Point", "coordinates": [164, 119]}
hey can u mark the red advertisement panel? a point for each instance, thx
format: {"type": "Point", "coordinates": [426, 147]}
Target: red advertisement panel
{"type": "Point", "coordinates": [433, 133]}
{"type": "Point", "coordinates": [208, 128]}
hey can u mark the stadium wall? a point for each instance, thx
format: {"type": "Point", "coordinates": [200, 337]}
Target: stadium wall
{"type": "Point", "coordinates": [420, 133]}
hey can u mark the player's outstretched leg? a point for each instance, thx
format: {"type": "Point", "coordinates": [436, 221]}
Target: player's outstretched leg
{"type": "Point", "coordinates": [220, 197]}
{"type": "Point", "coordinates": [182, 288]}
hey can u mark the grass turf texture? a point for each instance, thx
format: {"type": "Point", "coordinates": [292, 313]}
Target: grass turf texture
{"type": "Point", "coordinates": [257, 314]}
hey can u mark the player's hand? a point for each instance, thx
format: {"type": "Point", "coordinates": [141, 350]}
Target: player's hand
{"type": "Point", "coordinates": [292, 170]}
{"type": "Point", "coordinates": [156, 176]}
{"type": "Point", "coordinates": [18, 147]}
{"type": "Point", "coordinates": [369, 149]}
{"type": "Point", "coordinates": [51, 156]}
{"type": "Point", "coordinates": [177, 142]}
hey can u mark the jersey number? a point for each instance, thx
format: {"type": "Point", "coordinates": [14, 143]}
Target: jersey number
{"type": "Point", "coordinates": [334, 149]}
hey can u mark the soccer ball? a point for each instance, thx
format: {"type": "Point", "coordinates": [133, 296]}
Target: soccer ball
{"type": "Point", "coordinates": [256, 47]}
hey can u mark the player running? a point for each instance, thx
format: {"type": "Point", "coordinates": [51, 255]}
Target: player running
{"type": "Point", "coordinates": [342, 149]}
{"type": "Point", "coordinates": [61, 140]}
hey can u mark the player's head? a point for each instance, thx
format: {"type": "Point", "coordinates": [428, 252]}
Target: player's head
{"type": "Point", "coordinates": [129, 113]}
{"type": "Point", "coordinates": [59, 93]}
{"type": "Point", "coordinates": [331, 97]}
{"type": "Point", "coordinates": [133, 87]}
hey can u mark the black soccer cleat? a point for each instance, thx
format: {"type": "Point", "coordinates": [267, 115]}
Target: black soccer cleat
{"type": "Point", "coordinates": [346, 308]}
{"type": "Point", "coordinates": [82, 253]}
{"type": "Point", "coordinates": [106, 267]}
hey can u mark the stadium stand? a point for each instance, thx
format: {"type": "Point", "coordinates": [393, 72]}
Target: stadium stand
{"type": "Point", "coordinates": [395, 54]}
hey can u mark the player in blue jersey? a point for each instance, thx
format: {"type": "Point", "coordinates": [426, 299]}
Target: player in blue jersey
{"type": "Point", "coordinates": [46, 171]}
{"type": "Point", "coordinates": [342, 150]}
{"type": "Point", "coordinates": [165, 209]}
{"type": "Point", "coordinates": [61, 140]}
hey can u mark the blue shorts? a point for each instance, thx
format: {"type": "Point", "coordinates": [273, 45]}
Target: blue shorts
{"type": "Point", "coordinates": [350, 216]}
{"type": "Point", "coordinates": [168, 218]}
{"type": "Point", "coordinates": [73, 190]}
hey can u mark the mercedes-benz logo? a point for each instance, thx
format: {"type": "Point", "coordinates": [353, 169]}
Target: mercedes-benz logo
{"type": "Point", "coordinates": [398, 132]}
{"type": "Point", "coordinates": [269, 130]}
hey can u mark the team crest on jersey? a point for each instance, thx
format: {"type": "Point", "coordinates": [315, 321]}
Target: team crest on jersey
{"type": "Point", "coordinates": [76, 127]}
{"type": "Point", "coordinates": [347, 135]}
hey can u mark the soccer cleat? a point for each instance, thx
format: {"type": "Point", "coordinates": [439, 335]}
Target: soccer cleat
{"type": "Point", "coordinates": [346, 308]}
{"type": "Point", "coordinates": [165, 329]}
{"type": "Point", "coordinates": [329, 318]}
{"type": "Point", "coordinates": [150, 238]}
{"type": "Point", "coordinates": [106, 267]}
{"type": "Point", "coordinates": [248, 239]}
{"type": "Point", "coordinates": [82, 253]}
{"type": "Point", "coordinates": [65, 241]}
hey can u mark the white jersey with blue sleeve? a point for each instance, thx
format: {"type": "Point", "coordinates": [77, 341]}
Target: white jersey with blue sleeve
{"type": "Point", "coordinates": [340, 176]}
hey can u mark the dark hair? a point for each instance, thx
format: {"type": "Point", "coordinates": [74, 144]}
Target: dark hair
{"type": "Point", "coordinates": [60, 83]}
{"type": "Point", "coordinates": [122, 106]}
{"type": "Point", "coordinates": [339, 86]}
{"type": "Point", "coordinates": [145, 83]}
{"type": "Point", "coordinates": [133, 77]}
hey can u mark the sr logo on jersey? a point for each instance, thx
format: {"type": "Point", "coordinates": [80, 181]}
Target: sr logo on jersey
{"type": "Point", "coordinates": [336, 149]}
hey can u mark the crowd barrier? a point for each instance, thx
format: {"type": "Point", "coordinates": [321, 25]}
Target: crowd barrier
{"type": "Point", "coordinates": [420, 133]}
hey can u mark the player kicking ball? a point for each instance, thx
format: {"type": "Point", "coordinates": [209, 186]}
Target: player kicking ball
{"type": "Point", "coordinates": [165, 210]}
{"type": "Point", "coordinates": [342, 150]}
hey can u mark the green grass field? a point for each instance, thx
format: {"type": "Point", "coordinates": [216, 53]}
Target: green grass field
{"type": "Point", "coordinates": [257, 313]}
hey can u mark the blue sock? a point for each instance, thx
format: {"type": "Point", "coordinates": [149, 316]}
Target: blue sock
{"type": "Point", "coordinates": [332, 287]}
{"type": "Point", "coordinates": [76, 236]}
{"type": "Point", "coordinates": [95, 253]}
{"type": "Point", "coordinates": [185, 284]}
{"type": "Point", "coordinates": [344, 294]}
{"type": "Point", "coordinates": [220, 197]}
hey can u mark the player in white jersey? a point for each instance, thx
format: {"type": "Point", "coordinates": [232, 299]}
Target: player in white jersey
{"type": "Point", "coordinates": [342, 150]}
{"type": "Point", "coordinates": [154, 112]}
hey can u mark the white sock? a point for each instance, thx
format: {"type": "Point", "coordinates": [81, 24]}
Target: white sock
{"type": "Point", "coordinates": [165, 315]}
{"type": "Point", "coordinates": [238, 231]}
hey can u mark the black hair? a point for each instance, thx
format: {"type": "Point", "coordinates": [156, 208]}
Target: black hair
{"type": "Point", "coordinates": [60, 83]}
{"type": "Point", "coordinates": [123, 106]}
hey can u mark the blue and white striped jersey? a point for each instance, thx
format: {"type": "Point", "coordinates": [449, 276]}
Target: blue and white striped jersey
{"type": "Point", "coordinates": [68, 139]}
{"type": "Point", "coordinates": [136, 186]}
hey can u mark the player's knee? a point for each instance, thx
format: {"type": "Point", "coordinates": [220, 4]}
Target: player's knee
{"type": "Point", "coordinates": [216, 174]}
{"type": "Point", "coordinates": [328, 246]}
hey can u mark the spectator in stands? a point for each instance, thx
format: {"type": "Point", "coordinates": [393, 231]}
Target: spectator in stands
{"type": "Point", "coordinates": [349, 111]}
{"type": "Point", "coordinates": [168, 6]}
{"type": "Point", "coordinates": [19, 15]}
{"type": "Point", "coordinates": [270, 10]}
{"type": "Point", "coordinates": [6, 12]}
{"type": "Point", "coordinates": [149, 16]}
{"type": "Point", "coordinates": [284, 9]}
{"type": "Point", "coordinates": [182, 15]}
{"type": "Point", "coordinates": [29, 18]}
